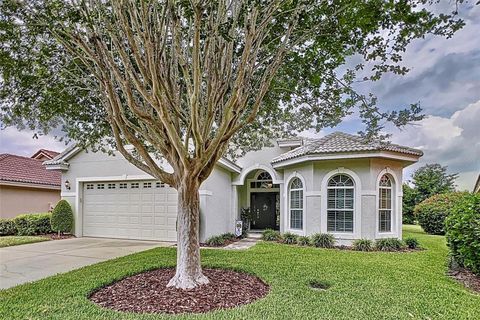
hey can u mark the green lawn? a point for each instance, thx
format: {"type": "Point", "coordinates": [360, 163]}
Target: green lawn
{"type": "Point", "coordinates": [372, 285]}
{"type": "Point", "coordinates": [8, 241]}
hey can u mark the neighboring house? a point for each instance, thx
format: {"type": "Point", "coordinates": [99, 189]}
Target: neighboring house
{"type": "Point", "coordinates": [26, 186]}
{"type": "Point", "coordinates": [338, 184]}
{"type": "Point", "coordinates": [476, 189]}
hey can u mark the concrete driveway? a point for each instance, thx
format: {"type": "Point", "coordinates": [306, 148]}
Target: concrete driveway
{"type": "Point", "coordinates": [30, 262]}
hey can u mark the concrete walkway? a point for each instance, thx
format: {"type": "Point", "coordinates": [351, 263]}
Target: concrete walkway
{"type": "Point", "coordinates": [30, 262]}
{"type": "Point", "coordinates": [245, 243]}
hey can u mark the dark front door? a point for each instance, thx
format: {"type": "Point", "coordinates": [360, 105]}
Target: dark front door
{"type": "Point", "coordinates": [263, 210]}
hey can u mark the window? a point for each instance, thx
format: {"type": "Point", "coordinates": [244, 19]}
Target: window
{"type": "Point", "coordinates": [159, 185]}
{"type": "Point", "coordinates": [100, 186]}
{"type": "Point", "coordinates": [147, 185]}
{"type": "Point", "coordinates": [111, 186]}
{"type": "Point", "coordinates": [263, 181]}
{"type": "Point", "coordinates": [134, 185]}
{"type": "Point", "coordinates": [385, 204]}
{"type": "Point", "coordinates": [340, 203]}
{"type": "Point", "coordinates": [122, 185]}
{"type": "Point", "coordinates": [89, 186]}
{"type": "Point", "coordinates": [296, 204]}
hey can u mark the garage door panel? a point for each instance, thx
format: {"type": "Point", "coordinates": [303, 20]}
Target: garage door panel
{"type": "Point", "coordinates": [132, 210]}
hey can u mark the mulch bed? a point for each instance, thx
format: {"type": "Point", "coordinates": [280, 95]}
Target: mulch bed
{"type": "Point", "coordinates": [148, 293]}
{"type": "Point", "coordinates": [226, 243]}
{"type": "Point", "coordinates": [466, 277]}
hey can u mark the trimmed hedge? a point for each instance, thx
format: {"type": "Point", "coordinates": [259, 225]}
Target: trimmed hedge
{"type": "Point", "coordinates": [62, 217]}
{"type": "Point", "coordinates": [463, 232]}
{"type": "Point", "coordinates": [7, 227]}
{"type": "Point", "coordinates": [33, 224]}
{"type": "Point", "coordinates": [431, 212]}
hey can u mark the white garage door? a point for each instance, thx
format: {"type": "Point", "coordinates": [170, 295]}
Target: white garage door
{"type": "Point", "coordinates": [145, 210]}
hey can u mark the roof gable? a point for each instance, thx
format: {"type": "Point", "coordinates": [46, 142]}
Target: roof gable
{"type": "Point", "coordinates": [339, 142]}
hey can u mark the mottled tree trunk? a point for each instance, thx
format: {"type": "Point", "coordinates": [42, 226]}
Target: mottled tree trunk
{"type": "Point", "coordinates": [189, 271]}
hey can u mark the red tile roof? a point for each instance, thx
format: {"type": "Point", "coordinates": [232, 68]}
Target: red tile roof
{"type": "Point", "coordinates": [15, 168]}
{"type": "Point", "coordinates": [48, 153]}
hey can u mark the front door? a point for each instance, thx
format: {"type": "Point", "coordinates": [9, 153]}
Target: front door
{"type": "Point", "coordinates": [263, 205]}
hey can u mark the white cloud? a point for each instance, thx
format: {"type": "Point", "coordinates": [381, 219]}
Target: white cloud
{"type": "Point", "coordinates": [22, 142]}
{"type": "Point", "coordinates": [453, 141]}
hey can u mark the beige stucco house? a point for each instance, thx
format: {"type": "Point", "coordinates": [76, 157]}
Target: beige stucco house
{"type": "Point", "coordinates": [26, 186]}
{"type": "Point", "coordinates": [340, 184]}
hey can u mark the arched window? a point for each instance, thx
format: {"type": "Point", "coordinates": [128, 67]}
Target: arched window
{"type": "Point", "coordinates": [340, 203]}
{"type": "Point", "coordinates": [385, 204]}
{"type": "Point", "coordinates": [263, 180]}
{"type": "Point", "coordinates": [264, 176]}
{"type": "Point", "coordinates": [296, 204]}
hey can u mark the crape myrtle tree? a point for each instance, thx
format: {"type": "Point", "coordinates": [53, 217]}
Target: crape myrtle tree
{"type": "Point", "coordinates": [192, 81]}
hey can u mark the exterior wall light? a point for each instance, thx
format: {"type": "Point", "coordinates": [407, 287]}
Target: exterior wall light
{"type": "Point", "coordinates": [67, 185]}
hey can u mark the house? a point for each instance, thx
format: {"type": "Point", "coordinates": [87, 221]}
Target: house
{"type": "Point", "coordinates": [340, 184]}
{"type": "Point", "coordinates": [26, 186]}
{"type": "Point", "coordinates": [476, 188]}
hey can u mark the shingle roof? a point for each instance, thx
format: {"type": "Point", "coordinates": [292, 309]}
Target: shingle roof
{"type": "Point", "coordinates": [15, 168]}
{"type": "Point", "coordinates": [339, 142]}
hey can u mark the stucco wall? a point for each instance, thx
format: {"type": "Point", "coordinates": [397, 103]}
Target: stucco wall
{"type": "Point", "coordinates": [367, 171]}
{"type": "Point", "coordinates": [18, 200]}
{"type": "Point", "coordinates": [215, 193]}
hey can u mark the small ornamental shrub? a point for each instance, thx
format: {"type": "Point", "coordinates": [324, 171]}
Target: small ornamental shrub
{"type": "Point", "coordinates": [216, 241]}
{"type": "Point", "coordinates": [303, 241]}
{"type": "Point", "coordinates": [33, 224]}
{"type": "Point", "coordinates": [431, 212]}
{"type": "Point", "coordinates": [323, 240]}
{"type": "Point", "coordinates": [228, 236]}
{"type": "Point", "coordinates": [463, 232]}
{"type": "Point", "coordinates": [363, 245]}
{"type": "Point", "coordinates": [411, 243]}
{"type": "Point", "coordinates": [271, 235]}
{"type": "Point", "coordinates": [389, 244]}
{"type": "Point", "coordinates": [289, 238]}
{"type": "Point", "coordinates": [62, 217]}
{"type": "Point", "coordinates": [7, 227]}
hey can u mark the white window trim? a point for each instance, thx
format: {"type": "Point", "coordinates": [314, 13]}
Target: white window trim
{"type": "Point", "coordinates": [357, 226]}
{"type": "Point", "coordinates": [286, 198]}
{"type": "Point", "coordinates": [396, 202]}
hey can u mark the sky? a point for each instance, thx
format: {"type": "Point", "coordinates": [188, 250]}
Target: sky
{"type": "Point", "coordinates": [444, 78]}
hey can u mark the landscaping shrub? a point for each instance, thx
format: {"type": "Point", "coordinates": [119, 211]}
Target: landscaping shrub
{"type": "Point", "coordinates": [303, 241]}
{"type": "Point", "coordinates": [389, 244]}
{"type": "Point", "coordinates": [323, 240]}
{"type": "Point", "coordinates": [215, 241]}
{"type": "Point", "coordinates": [33, 224]}
{"type": "Point", "coordinates": [412, 243]}
{"type": "Point", "coordinates": [271, 235]}
{"type": "Point", "coordinates": [463, 232]}
{"type": "Point", "coordinates": [431, 212]}
{"type": "Point", "coordinates": [363, 245]}
{"type": "Point", "coordinates": [228, 236]}
{"type": "Point", "coordinates": [7, 227]}
{"type": "Point", "coordinates": [290, 238]}
{"type": "Point", "coordinates": [62, 217]}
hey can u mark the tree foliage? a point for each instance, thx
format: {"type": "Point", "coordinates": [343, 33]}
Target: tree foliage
{"type": "Point", "coordinates": [408, 204]}
{"type": "Point", "coordinates": [432, 179]}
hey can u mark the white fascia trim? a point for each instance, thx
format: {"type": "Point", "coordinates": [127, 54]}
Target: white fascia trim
{"type": "Point", "coordinates": [383, 154]}
{"type": "Point", "coordinates": [229, 165]}
{"type": "Point", "coordinates": [63, 167]}
{"type": "Point", "coordinates": [29, 185]}
{"type": "Point", "coordinates": [290, 143]}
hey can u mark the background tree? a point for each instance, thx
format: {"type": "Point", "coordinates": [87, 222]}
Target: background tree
{"type": "Point", "coordinates": [432, 179]}
{"type": "Point", "coordinates": [408, 204]}
{"type": "Point", "coordinates": [192, 81]}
